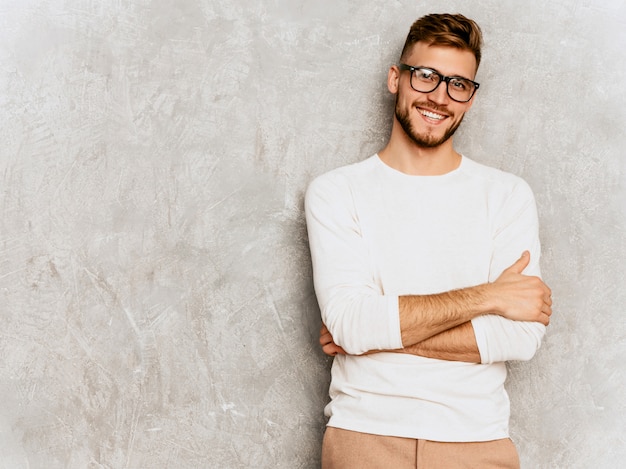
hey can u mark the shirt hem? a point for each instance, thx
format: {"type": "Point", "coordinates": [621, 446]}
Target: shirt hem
{"type": "Point", "coordinates": [466, 437]}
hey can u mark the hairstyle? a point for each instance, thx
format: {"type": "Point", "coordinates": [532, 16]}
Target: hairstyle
{"type": "Point", "coordinates": [445, 30]}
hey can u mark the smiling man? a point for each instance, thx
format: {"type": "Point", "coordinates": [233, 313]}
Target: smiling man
{"type": "Point", "coordinates": [426, 269]}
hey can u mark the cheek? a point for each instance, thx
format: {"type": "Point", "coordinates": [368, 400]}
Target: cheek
{"type": "Point", "coordinates": [459, 114]}
{"type": "Point", "coordinates": [406, 102]}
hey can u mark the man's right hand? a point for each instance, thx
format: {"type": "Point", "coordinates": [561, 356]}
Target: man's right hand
{"type": "Point", "coordinates": [328, 344]}
{"type": "Point", "coordinates": [520, 297]}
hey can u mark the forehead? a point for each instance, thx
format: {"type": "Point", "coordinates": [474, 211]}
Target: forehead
{"type": "Point", "coordinates": [450, 61]}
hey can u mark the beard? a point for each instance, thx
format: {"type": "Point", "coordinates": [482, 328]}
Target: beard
{"type": "Point", "coordinates": [426, 140]}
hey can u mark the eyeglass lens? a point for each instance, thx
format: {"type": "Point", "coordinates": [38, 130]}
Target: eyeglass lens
{"type": "Point", "coordinates": [425, 80]}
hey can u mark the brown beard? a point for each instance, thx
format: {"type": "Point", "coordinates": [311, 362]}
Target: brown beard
{"type": "Point", "coordinates": [426, 141]}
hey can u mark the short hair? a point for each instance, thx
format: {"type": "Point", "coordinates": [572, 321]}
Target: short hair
{"type": "Point", "coordinates": [444, 29]}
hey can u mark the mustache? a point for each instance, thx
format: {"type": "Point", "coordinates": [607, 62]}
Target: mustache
{"type": "Point", "coordinates": [432, 106]}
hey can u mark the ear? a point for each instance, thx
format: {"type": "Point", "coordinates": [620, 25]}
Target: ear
{"type": "Point", "coordinates": [393, 79]}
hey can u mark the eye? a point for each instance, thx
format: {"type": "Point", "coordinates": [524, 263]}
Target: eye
{"type": "Point", "coordinates": [426, 74]}
{"type": "Point", "coordinates": [460, 84]}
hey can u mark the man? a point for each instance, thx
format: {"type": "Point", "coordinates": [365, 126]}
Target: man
{"type": "Point", "coordinates": [426, 269]}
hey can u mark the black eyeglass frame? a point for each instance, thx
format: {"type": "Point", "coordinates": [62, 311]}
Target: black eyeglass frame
{"type": "Point", "coordinates": [442, 78]}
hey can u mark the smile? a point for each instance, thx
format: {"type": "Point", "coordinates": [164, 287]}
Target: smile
{"type": "Point", "coordinates": [431, 115]}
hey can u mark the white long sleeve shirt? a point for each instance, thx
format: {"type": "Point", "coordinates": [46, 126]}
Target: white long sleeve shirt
{"type": "Point", "coordinates": [376, 234]}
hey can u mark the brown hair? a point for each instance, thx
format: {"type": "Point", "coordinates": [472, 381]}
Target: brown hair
{"type": "Point", "coordinates": [445, 30]}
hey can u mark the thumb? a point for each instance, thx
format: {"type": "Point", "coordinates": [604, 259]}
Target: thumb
{"type": "Point", "coordinates": [520, 264]}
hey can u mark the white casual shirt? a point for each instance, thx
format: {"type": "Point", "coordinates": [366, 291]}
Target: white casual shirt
{"type": "Point", "coordinates": [375, 234]}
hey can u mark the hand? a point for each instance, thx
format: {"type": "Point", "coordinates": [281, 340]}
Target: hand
{"type": "Point", "coordinates": [521, 297]}
{"type": "Point", "coordinates": [328, 345]}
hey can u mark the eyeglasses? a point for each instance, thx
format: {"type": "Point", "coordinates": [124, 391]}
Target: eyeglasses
{"type": "Point", "coordinates": [426, 80]}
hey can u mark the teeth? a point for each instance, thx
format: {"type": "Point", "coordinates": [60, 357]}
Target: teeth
{"type": "Point", "coordinates": [432, 115]}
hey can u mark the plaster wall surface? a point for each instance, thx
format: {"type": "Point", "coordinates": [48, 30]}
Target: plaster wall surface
{"type": "Point", "coordinates": [156, 300]}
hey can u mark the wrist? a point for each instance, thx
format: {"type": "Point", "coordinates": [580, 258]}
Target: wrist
{"type": "Point", "coordinates": [488, 300]}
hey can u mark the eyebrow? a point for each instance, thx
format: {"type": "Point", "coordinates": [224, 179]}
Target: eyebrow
{"type": "Point", "coordinates": [435, 70]}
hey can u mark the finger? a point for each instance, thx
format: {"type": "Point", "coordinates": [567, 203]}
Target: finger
{"type": "Point", "coordinates": [326, 339]}
{"type": "Point", "coordinates": [547, 309]}
{"type": "Point", "coordinates": [542, 318]}
{"type": "Point", "coordinates": [323, 329]}
{"type": "Point", "coordinates": [520, 264]}
{"type": "Point", "coordinates": [333, 349]}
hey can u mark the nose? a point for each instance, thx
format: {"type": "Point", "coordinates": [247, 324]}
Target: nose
{"type": "Point", "coordinates": [440, 94]}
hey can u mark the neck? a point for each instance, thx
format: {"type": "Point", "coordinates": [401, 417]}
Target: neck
{"type": "Point", "coordinates": [404, 155]}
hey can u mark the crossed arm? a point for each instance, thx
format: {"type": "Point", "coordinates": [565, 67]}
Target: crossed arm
{"type": "Point", "coordinates": [501, 320]}
{"type": "Point", "coordinates": [439, 326]}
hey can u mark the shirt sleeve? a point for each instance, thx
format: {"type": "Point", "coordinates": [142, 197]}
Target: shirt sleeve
{"type": "Point", "coordinates": [515, 231]}
{"type": "Point", "coordinates": [353, 307]}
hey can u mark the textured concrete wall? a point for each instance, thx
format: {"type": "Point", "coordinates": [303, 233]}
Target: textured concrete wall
{"type": "Point", "coordinates": [156, 305]}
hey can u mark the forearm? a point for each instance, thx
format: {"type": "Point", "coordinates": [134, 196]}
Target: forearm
{"type": "Point", "coordinates": [456, 344]}
{"type": "Point", "coordinates": [513, 296]}
{"type": "Point", "coordinates": [497, 339]}
{"type": "Point", "coordinates": [424, 318]}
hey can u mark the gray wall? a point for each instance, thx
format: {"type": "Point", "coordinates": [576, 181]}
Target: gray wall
{"type": "Point", "coordinates": [156, 299]}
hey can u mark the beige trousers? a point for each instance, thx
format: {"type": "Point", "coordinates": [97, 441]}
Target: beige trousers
{"type": "Point", "coordinates": [343, 449]}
